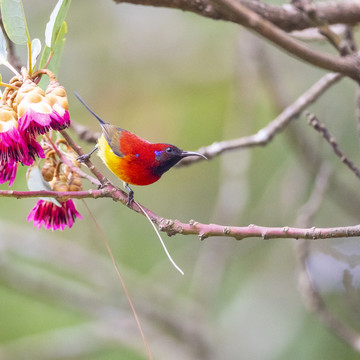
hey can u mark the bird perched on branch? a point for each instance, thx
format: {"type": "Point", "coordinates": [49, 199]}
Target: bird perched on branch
{"type": "Point", "coordinates": [131, 158]}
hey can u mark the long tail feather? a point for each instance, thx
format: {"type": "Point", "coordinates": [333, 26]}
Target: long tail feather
{"type": "Point", "coordinates": [102, 122]}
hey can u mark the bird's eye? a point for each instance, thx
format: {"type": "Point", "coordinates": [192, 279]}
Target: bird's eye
{"type": "Point", "coordinates": [169, 150]}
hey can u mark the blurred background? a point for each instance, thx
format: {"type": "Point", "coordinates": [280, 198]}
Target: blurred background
{"type": "Point", "coordinates": [175, 77]}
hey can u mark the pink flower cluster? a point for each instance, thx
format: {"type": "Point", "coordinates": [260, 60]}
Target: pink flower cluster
{"type": "Point", "coordinates": [27, 113]}
{"type": "Point", "coordinates": [52, 216]}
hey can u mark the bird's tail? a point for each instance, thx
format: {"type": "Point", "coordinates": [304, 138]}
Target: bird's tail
{"type": "Point", "coordinates": [102, 122]}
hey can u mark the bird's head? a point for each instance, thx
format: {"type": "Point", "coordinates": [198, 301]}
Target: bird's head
{"type": "Point", "coordinates": [166, 156]}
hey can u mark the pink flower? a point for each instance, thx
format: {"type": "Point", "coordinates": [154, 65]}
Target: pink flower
{"type": "Point", "coordinates": [34, 122]}
{"type": "Point", "coordinates": [13, 147]}
{"type": "Point", "coordinates": [52, 216]}
{"type": "Point", "coordinates": [56, 96]}
{"type": "Point", "coordinates": [59, 122]}
{"type": "Point", "coordinates": [8, 172]}
{"type": "Point", "coordinates": [33, 110]}
{"type": "Point", "coordinates": [34, 148]}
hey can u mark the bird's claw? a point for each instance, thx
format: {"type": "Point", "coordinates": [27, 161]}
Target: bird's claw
{"type": "Point", "coordinates": [130, 199]}
{"type": "Point", "coordinates": [86, 157]}
{"type": "Point", "coordinates": [83, 158]}
{"type": "Point", "coordinates": [130, 195]}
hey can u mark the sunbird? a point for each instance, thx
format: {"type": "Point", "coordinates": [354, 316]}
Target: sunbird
{"type": "Point", "coordinates": [132, 159]}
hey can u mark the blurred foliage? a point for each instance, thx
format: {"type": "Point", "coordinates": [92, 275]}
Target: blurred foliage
{"type": "Point", "coordinates": [176, 77]}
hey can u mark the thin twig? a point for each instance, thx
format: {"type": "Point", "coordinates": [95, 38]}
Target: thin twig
{"type": "Point", "coordinates": [321, 128]}
{"type": "Point", "coordinates": [313, 34]}
{"type": "Point", "coordinates": [266, 134]}
{"type": "Point", "coordinates": [308, 7]}
{"type": "Point", "coordinates": [70, 164]}
{"type": "Point", "coordinates": [103, 180]}
{"type": "Point", "coordinates": [261, 138]}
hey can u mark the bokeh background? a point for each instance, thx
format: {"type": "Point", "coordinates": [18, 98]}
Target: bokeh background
{"type": "Point", "coordinates": [175, 77]}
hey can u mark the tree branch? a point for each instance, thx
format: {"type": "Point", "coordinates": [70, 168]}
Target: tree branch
{"type": "Point", "coordinates": [59, 195]}
{"type": "Point", "coordinates": [347, 65]}
{"type": "Point", "coordinates": [266, 134]}
{"type": "Point", "coordinates": [321, 128]}
{"type": "Point", "coordinates": [286, 17]}
{"type": "Point", "coordinates": [261, 138]}
{"type": "Point", "coordinates": [241, 13]}
{"type": "Point", "coordinates": [173, 227]}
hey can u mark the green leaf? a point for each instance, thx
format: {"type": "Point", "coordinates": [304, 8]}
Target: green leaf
{"type": "Point", "coordinates": [53, 27]}
{"type": "Point", "coordinates": [35, 51]}
{"type": "Point", "coordinates": [13, 17]}
{"type": "Point", "coordinates": [56, 56]}
{"type": "Point", "coordinates": [58, 49]}
{"type": "Point", "coordinates": [3, 51]}
{"type": "Point", "coordinates": [44, 56]}
{"type": "Point", "coordinates": [36, 182]}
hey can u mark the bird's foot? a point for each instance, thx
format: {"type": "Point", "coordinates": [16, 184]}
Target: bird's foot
{"type": "Point", "coordinates": [83, 158]}
{"type": "Point", "coordinates": [130, 195]}
{"type": "Point", "coordinates": [86, 157]}
{"type": "Point", "coordinates": [130, 199]}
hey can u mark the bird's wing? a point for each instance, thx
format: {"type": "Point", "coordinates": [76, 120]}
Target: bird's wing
{"type": "Point", "coordinates": [112, 135]}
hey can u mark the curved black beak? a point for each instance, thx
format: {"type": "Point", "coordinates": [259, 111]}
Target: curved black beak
{"type": "Point", "coordinates": [192, 153]}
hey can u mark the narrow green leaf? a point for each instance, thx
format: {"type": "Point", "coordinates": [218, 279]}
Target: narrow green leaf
{"type": "Point", "coordinates": [3, 51]}
{"type": "Point", "coordinates": [44, 57]}
{"type": "Point", "coordinates": [53, 27]}
{"type": "Point", "coordinates": [35, 51]}
{"type": "Point", "coordinates": [57, 51]}
{"type": "Point", "coordinates": [56, 56]}
{"type": "Point", "coordinates": [13, 17]}
{"type": "Point", "coordinates": [36, 182]}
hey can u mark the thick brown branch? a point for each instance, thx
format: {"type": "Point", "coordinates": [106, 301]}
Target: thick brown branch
{"type": "Point", "coordinates": [57, 194]}
{"type": "Point", "coordinates": [241, 13]}
{"type": "Point", "coordinates": [286, 17]}
{"type": "Point", "coordinates": [173, 227]}
{"type": "Point", "coordinates": [347, 65]}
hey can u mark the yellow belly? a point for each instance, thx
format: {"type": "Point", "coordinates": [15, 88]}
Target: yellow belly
{"type": "Point", "coordinates": [112, 161]}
